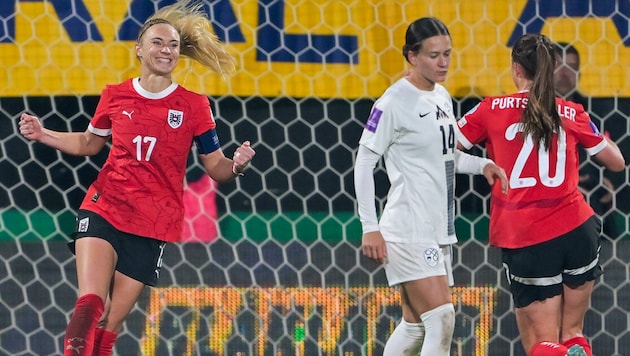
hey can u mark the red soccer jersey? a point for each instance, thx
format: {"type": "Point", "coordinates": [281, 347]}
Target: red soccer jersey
{"type": "Point", "coordinates": [139, 189]}
{"type": "Point", "coordinates": [543, 200]}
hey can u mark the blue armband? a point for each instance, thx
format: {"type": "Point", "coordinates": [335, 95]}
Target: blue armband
{"type": "Point", "coordinates": [207, 142]}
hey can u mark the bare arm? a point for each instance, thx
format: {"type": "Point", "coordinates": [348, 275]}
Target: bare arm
{"type": "Point", "coordinates": [223, 169]}
{"type": "Point", "coordinates": [611, 157]}
{"type": "Point", "coordinates": [74, 143]}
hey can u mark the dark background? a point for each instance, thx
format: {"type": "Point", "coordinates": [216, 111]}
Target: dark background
{"type": "Point", "coordinates": [304, 166]}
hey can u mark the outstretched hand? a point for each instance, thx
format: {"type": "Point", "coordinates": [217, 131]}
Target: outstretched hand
{"type": "Point", "coordinates": [492, 172]}
{"type": "Point", "coordinates": [242, 156]}
{"type": "Point", "coordinates": [30, 127]}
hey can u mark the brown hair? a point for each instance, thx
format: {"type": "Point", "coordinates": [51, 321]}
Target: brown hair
{"type": "Point", "coordinates": [420, 30]}
{"type": "Point", "coordinates": [197, 39]}
{"type": "Point", "coordinates": [535, 53]}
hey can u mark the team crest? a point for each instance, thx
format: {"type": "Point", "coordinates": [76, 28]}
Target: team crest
{"type": "Point", "coordinates": [431, 257]}
{"type": "Point", "coordinates": [441, 114]}
{"type": "Point", "coordinates": [175, 118]}
{"type": "Point", "coordinates": [83, 225]}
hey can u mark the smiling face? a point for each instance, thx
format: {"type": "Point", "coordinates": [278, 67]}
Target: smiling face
{"type": "Point", "coordinates": [158, 49]}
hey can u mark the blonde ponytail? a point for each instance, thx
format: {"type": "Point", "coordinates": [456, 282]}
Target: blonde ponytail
{"type": "Point", "coordinates": [197, 41]}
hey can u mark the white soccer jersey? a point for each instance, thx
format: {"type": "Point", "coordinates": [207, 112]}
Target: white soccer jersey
{"type": "Point", "coordinates": [414, 131]}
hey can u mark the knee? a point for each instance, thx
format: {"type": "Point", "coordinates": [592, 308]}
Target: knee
{"type": "Point", "coordinates": [444, 315]}
{"type": "Point", "coordinates": [439, 324]}
{"type": "Point", "coordinates": [441, 318]}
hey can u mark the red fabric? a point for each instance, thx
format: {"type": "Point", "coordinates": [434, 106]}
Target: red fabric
{"type": "Point", "coordinates": [139, 189]}
{"type": "Point", "coordinates": [580, 341]}
{"type": "Point", "coordinates": [547, 348]}
{"type": "Point", "coordinates": [79, 339]}
{"type": "Point", "coordinates": [544, 201]}
{"type": "Point", "coordinates": [200, 210]}
{"type": "Point", "coordinates": [104, 342]}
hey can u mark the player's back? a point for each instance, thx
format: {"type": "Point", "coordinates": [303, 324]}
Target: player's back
{"type": "Point", "coordinates": [543, 200]}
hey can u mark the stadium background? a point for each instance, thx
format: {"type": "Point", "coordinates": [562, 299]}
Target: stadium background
{"type": "Point", "coordinates": [279, 271]}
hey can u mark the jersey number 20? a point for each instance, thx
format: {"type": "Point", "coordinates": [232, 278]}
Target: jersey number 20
{"type": "Point", "coordinates": [517, 180]}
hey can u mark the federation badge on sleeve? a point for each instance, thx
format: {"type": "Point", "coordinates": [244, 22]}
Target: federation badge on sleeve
{"type": "Point", "coordinates": [175, 118]}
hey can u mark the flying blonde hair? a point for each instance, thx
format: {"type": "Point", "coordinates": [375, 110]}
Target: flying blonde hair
{"type": "Point", "coordinates": [197, 40]}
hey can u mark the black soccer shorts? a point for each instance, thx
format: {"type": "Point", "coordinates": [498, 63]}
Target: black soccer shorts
{"type": "Point", "coordinates": [539, 271]}
{"type": "Point", "coordinates": [138, 257]}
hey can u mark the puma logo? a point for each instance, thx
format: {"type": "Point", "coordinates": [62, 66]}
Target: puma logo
{"type": "Point", "coordinates": [77, 348]}
{"type": "Point", "coordinates": [74, 349]}
{"type": "Point", "coordinates": [125, 112]}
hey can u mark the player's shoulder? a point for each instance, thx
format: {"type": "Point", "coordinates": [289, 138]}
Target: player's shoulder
{"type": "Point", "coordinates": [183, 91]}
{"type": "Point", "coordinates": [391, 95]}
{"type": "Point", "coordinates": [402, 91]}
{"type": "Point", "coordinates": [398, 87]}
{"type": "Point", "coordinates": [568, 103]}
{"type": "Point", "coordinates": [121, 89]}
{"type": "Point", "coordinates": [519, 95]}
{"type": "Point", "coordinates": [194, 100]}
{"type": "Point", "coordinates": [573, 113]}
{"type": "Point", "coordinates": [440, 89]}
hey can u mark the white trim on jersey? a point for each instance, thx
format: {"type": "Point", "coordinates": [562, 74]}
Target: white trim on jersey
{"type": "Point", "coordinates": [149, 95]}
{"type": "Point", "coordinates": [99, 132]}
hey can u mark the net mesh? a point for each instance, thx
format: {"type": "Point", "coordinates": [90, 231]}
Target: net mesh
{"type": "Point", "coordinates": [271, 264]}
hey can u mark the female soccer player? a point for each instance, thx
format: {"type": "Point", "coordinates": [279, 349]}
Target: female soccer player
{"type": "Point", "coordinates": [548, 233]}
{"type": "Point", "coordinates": [412, 126]}
{"type": "Point", "coordinates": [135, 206]}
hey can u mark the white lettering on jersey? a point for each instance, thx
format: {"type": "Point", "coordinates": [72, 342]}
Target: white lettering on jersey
{"type": "Point", "coordinates": [509, 102]}
{"type": "Point", "coordinates": [567, 112]}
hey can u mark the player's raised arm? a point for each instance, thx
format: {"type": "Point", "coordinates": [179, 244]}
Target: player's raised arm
{"type": "Point", "coordinates": [74, 143]}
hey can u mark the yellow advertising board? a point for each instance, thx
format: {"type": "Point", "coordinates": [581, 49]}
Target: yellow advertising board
{"type": "Point", "coordinates": [316, 48]}
{"type": "Point", "coordinates": [332, 305]}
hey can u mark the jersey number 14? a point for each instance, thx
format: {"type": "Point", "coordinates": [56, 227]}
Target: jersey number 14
{"type": "Point", "coordinates": [448, 139]}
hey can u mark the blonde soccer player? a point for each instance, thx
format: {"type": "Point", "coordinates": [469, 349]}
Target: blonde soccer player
{"type": "Point", "coordinates": [135, 206]}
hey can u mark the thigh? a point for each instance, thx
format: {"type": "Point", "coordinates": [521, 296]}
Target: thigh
{"type": "Point", "coordinates": [427, 293]}
{"type": "Point", "coordinates": [95, 260]}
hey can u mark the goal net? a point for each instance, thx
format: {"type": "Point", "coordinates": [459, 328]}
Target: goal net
{"type": "Point", "coordinates": [271, 263]}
